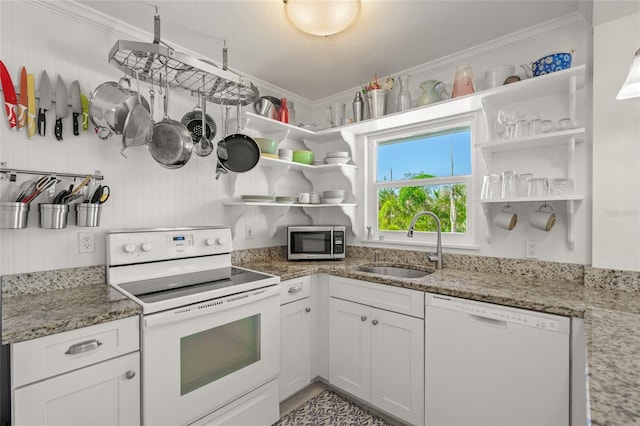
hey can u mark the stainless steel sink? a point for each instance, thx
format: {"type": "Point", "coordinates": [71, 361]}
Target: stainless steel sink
{"type": "Point", "coordinates": [394, 271]}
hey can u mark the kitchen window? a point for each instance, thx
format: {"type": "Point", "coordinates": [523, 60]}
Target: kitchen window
{"type": "Point", "coordinates": [425, 167]}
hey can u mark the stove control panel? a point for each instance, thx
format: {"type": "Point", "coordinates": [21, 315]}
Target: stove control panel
{"type": "Point", "coordinates": [141, 246]}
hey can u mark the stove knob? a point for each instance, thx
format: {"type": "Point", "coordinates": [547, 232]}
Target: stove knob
{"type": "Point", "coordinates": [210, 241]}
{"type": "Point", "coordinates": [129, 248]}
{"type": "Point", "coordinates": [146, 247]}
{"type": "Point", "coordinates": [222, 241]}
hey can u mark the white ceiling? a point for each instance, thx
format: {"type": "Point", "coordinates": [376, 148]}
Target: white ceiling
{"type": "Point", "coordinates": [389, 36]}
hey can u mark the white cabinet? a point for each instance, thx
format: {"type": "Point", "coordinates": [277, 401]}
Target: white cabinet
{"type": "Point", "coordinates": [295, 336]}
{"type": "Point", "coordinates": [375, 354]}
{"type": "Point", "coordinates": [552, 94]}
{"type": "Point", "coordinates": [107, 393]}
{"type": "Point", "coordinates": [87, 376]}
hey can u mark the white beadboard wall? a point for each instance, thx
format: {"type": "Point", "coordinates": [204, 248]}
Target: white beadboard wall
{"type": "Point", "coordinates": [144, 194]}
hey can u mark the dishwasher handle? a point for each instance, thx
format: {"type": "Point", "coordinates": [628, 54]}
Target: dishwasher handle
{"type": "Point", "coordinates": [491, 322]}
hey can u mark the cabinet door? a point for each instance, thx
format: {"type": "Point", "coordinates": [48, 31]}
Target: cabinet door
{"type": "Point", "coordinates": [349, 347]}
{"type": "Point", "coordinates": [101, 394]}
{"type": "Point", "coordinates": [295, 347]}
{"type": "Point", "coordinates": [397, 365]}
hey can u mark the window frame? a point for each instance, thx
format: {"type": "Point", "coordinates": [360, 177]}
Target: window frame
{"type": "Point", "coordinates": [459, 240]}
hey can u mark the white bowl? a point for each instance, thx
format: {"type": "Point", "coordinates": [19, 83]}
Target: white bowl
{"type": "Point", "coordinates": [336, 200]}
{"type": "Point", "coordinates": [337, 160]}
{"type": "Point", "coordinates": [336, 193]}
{"type": "Point", "coordinates": [337, 154]}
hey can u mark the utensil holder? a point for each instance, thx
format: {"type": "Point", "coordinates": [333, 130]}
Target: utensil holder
{"type": "Point", "coordinates": [88, 215]}
{"type": "Point", "coordinates": [13, 215]}
{"type": "Point", "coordinates": [377, 101]}
{"type": "Point", "coordinates": [53, 216]}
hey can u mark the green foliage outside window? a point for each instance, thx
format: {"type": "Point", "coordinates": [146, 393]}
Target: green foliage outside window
{"type": "Point", "coordinates": [397, 206]}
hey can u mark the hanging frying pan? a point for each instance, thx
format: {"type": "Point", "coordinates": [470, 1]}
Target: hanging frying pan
{"type": "Point", "coordinates": [236, 153]}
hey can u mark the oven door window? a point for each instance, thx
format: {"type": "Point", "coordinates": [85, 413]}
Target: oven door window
{"type": "Point", "coordinates": [311, 242]}
{"type": "Point", "coordinates": [211, 354]}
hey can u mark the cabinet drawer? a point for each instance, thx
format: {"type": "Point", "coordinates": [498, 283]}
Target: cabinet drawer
{"type": "Point", "coordinates": [296, 289]}
{"type": "Point", "coordinates": [388, 297]}
{"type": "Point", "coordinates": [44, 357]}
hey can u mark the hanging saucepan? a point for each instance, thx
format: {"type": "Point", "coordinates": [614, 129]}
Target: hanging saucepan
{"type": "Point", "coordinates": [171, 143]}
{"type": "Point", "coordinates": [110, 105]}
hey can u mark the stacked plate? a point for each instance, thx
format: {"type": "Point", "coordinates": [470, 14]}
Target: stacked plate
{"type": "Point", "coordinates": [337, 157]}
{"type": "Point", "coordinates": [285, 154]}
{"type": "Point", "coordinates": [286, 199]}
{"type": "Point", "coordinates": [319, 163]}
{"type": "Point", "coordinates": [258, 198]}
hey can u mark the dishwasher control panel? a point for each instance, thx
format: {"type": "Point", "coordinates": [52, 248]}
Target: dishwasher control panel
{"type": "Point", "coordinates": [509, 315]}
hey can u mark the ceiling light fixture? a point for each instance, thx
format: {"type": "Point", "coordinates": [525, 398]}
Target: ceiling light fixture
{"type": "Point", "coordinates": [322, 17]}
{"type": "Point", "coordinates": [631, 87]}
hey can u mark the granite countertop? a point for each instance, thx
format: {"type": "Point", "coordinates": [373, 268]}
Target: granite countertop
{"type": "Point", "coordinates": [612, 318]}
{"type": "Point", "coordinates": [28, 316]}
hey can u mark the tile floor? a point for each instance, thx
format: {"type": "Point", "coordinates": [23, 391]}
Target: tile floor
{"type": "Point", "coordinates": [314, 389]}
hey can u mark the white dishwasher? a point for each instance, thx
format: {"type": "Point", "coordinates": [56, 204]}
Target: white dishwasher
{"type": "Point", "coordinates": [493, 365]}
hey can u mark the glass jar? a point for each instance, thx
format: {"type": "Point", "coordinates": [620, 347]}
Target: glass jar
{"type": "Point", "coordinates": [404, 97]}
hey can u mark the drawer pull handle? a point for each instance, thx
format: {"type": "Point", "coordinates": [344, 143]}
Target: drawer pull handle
{"type": "Point", "coordinates": [307, 310]}
{"type": "Point", "coordinates": [87, 345]}
{"type": "Point", "coordinates": [130, 374]}
{"type": "Point", "coordinates": [296, 289]}
{"type": "Point", "coordinates": [363, 318]}
{"type": "Point", "coordinates": [374, 322]}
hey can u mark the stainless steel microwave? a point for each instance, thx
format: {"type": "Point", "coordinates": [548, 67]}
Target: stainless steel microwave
{"type": "Point", "coordinates": [315, 242]}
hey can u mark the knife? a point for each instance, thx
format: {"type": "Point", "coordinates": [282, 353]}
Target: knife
{"type": "Point", "coordinates": [9, 91]}
{"type": "Point", "coordinates": [45, 102]}
{"type": "Point", "coordinates": [85, 112]}
{"type": "Point", "coordinates": [22, 103]}
{"type": "Point", "coordinates": [62, 106]}
{"type": "Point", "coordinates": [76, 105]}
{"type": "Point", "coordinates": [31, 105]}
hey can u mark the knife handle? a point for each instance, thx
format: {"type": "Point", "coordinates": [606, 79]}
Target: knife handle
{"type": "Point", "coordinates": [42, 121]}
{"type": "Point", "coordinates": [58, 129]}
{"type": "Point", "coordinates": [75, 124]}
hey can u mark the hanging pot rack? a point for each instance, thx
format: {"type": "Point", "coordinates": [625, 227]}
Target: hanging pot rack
{"type": "Point", "coordinates": [148, 62]}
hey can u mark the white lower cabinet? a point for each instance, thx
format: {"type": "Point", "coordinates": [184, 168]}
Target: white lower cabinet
{"type": "Point", "coordinates": [107, 393]}
{"type": "Point", "coordinates": [377, 355]}
{"type": "Point", "coordinates": [84, 377]}
{"type": "Point", "coordinates": [295, 337]}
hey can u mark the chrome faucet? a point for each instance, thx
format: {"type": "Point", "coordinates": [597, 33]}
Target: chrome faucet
{"type": "Point", "coordinates": [437, 258]}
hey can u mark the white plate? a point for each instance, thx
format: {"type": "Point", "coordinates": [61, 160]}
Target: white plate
{"type": "Point", "coordinates": [258, 198]}
{"type": "Point", "coordinates": [337, 160]}
{"type": "Point", "coordinates": [337, 154]}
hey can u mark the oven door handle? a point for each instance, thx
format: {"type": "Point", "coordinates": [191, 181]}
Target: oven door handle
{"type": "Point", "coordinates": [209, 307]}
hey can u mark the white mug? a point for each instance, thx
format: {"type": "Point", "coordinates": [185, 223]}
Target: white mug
{"type": "Point", "coordinates": [304, 198]}
{"type": "Point", "coordinates": [314, 198]}
{"type": "Point", "coordinates": [543, 220]}
{"type": "Point", "coordinates": [507, 218]}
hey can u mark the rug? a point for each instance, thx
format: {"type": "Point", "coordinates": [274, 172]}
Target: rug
{"type": "Point", "coordinates": [329, 408]}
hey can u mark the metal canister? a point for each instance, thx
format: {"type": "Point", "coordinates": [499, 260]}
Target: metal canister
{"type": "Point", "coordinates": [358, 108]}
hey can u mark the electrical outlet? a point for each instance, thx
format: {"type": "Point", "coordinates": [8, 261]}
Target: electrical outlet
{"type": "Point", "coordinates": [86, 242]}
{"type": "Point", "coordinates": [249, 232]}
{"type": "Point", "coordinates": [530, 251]}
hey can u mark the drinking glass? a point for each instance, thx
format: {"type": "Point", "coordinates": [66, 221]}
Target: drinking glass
{"type": "Point", "coordinates": [509, 184]}
{"type": "Point", "coordinates": [561, 186]}
{"type": "Point", "coordinates": [522, 187]}
{"type": "Point", "coordinates": [538, 187]}
{"type": "Point", "coordinates": [536, 126]}
{"type": "Point", "coordinates": [547, 126]}
{"type": "Point", "coordinates": [491, 187]}
{"type": "Point", "coordinates": [522, 129]}
{"type": "Point", "coordinates": [564, 124]}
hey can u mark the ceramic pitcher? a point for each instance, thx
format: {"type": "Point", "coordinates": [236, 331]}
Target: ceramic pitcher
{"type": "Point", "coordinates": [432, 91]}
